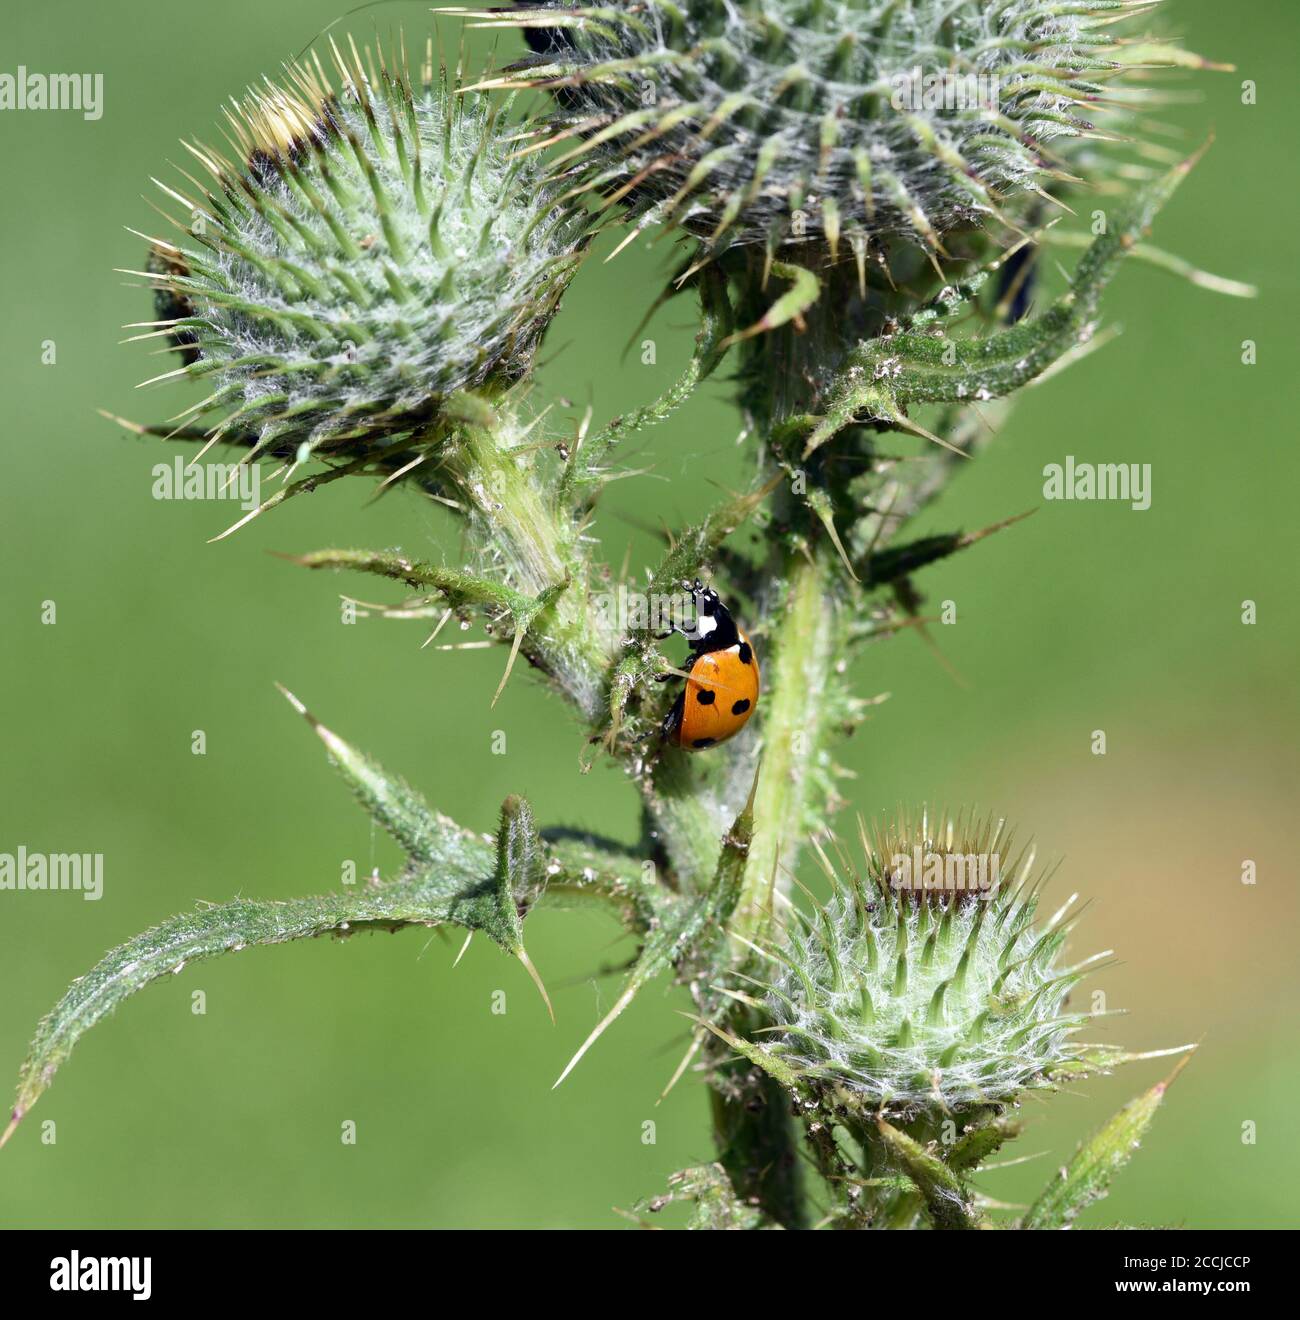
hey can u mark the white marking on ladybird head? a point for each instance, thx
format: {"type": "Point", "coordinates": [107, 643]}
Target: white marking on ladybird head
{"type": "Point", "coordinates": [705, 608]}
{"type": "Point", "coordinates": [704, 624]}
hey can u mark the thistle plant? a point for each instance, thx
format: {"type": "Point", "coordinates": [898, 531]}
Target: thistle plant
{"type": "Point", "coordinates": [362, 277]}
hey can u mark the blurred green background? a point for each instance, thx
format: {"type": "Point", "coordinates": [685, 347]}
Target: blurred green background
{"type": "Point", "coordinates": [1086, 616]}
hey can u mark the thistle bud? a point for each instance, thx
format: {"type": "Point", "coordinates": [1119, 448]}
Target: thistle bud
{"type": "Point", "coordinates": [374, 250]}
{"type": "Point", "coordinates": [775, 121]}
{"type": "Point", "coordinates": [925, 984]}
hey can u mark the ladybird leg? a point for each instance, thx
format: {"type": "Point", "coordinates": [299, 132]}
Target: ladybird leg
{"type": "Point", "coordinates": [673, 720]}
{"type": "Point", "coordinates": [687, 665]}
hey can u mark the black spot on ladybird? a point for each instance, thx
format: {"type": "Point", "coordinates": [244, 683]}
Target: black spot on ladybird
{"type": "Point", "coordinates": [740, 707]}
{"type": "Point", "coordinates": [744, 654]}
{"type": "Point", "coordinates": [706, 696]}
{"type": "Point", "coordinates": [703, 742]}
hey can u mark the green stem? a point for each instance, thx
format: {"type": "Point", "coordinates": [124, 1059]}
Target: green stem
{"type": "Point", "coordinates": [796, 679]}
{"type": "Point", "coordinates": [758, 1139]}
{"type": "Point", "coordinates": [757, 1145]}
{"type": "Point", "coordinates": [687, 809]}
{"type": "Point", "coordinates": [514, 505]}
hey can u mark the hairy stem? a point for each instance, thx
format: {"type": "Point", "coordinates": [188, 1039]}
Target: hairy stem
{"type": "Point", "coordinates": [783, 370]}
{"type": "Point", "coordinates": [515, 516]}
{"type": "Point", "coordinates": [797, 675]}
{"type": "Point", "coordinates": [757, 1146]}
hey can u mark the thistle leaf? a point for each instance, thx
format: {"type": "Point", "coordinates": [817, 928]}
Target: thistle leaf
{"type": "Point", "coordinates": [1169, 261]}
{"type": "Point", "coordinates": [457, 588]}
{"type": "Point", "coordinates": [366, 463]}
{"type": "Point", "coordinates": [697, 544]}
{"type": "Point", "coordinates": [428, 838]}
{"type": "Point", "coordinates": [887, 374]}
{"type": "Point", "coordinates": [226, 928]}
{"type": "Point", "coordinates": [889, 565]}
{"type": "Point", "coordinates": [452, 875]}
{"type": "Point", "coordinates": [1088, 1175]}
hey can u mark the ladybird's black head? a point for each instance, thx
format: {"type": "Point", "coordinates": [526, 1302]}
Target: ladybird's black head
{"type": "Point", "coordinates": [545, 40]}
{"type": "Point", "coordinates": [712, 629]}
{"type": "Point", "coordinates": [549, 45]}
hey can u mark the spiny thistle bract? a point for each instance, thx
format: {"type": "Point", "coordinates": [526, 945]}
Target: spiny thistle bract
{"type": "Point", "coordinates": [901, 995]}
{"type": "Point", "coordinates": [767, 121]}
{"type": "Point", "coordinates": [376, 250]}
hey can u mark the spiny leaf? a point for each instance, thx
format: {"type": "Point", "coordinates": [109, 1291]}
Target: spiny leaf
{"type": "Point", "coordinates": [1088, 1175]}
{"type": "Point", "coordinates": [367, 463]}
{"type": "Point", "coordinates": [443, 853]}
{"type": "Point", "coordinates": [427, 837]}
{"type": "Point", "coordinates": [887, 374]}
{"type": "Point", "coordinates": [224, 928]}
{"type": "Point", "coordinates": [521, 866]}
{"type": "Point", "coordinates": [459, 589]}
{"type": "Point", "coordinates": [451, 876]}
{"type": "Point", "coordinates": [1170, 261]}
{"type": "Point", "coordinates": [885, 566]}
{"type": "Point", "coordinates": [520, 878]}
{"type": "Point", "coordinates": [692, 549]}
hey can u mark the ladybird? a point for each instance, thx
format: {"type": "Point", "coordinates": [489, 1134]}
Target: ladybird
{"type": "Point", "coordinates": [722, 688]}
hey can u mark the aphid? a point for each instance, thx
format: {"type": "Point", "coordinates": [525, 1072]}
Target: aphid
{"type": "Point", "coordinates": [722, 690]}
